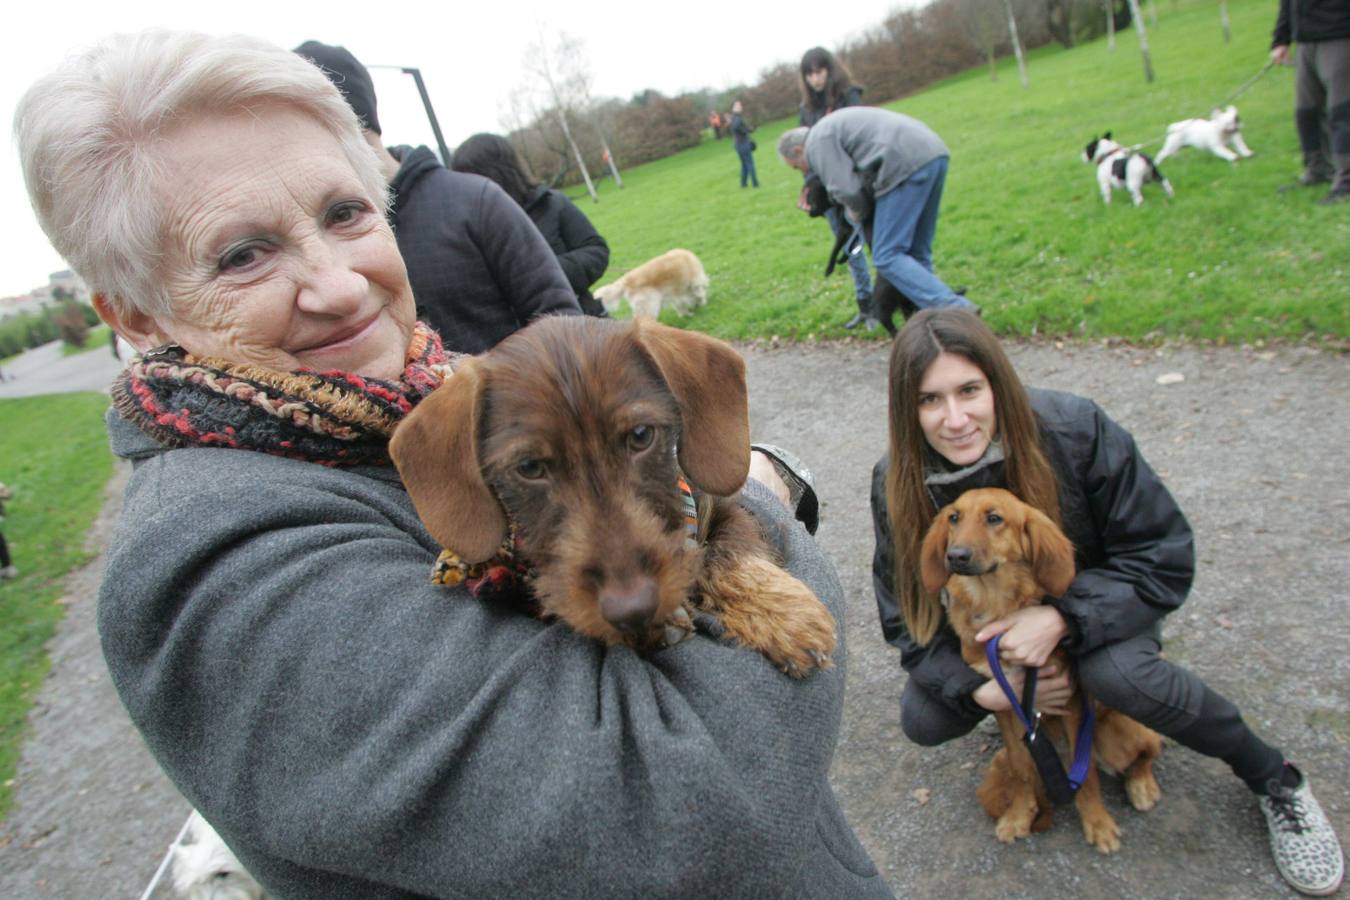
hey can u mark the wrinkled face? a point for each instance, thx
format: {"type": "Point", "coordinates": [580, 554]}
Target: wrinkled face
{"type": "Point", "coordinates": [956, 409]}
{"type": "Point", "coordinates": [817, 79]}
{"type": "Point", "coordinates": [275, 254]}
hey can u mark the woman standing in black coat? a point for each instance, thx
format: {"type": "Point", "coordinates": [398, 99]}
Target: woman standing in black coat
{"type": "Point", "coordinates": [961, 419]}
{"type": "Point", "coordinates": [581, 251]}
{"type": "Point", "coordinates": [826, 86]}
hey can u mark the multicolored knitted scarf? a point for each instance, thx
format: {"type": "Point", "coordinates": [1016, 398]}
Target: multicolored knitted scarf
{"type": "Point", "coordinates": [331, 418]}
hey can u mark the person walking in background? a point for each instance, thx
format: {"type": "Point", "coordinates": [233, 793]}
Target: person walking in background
{"type": "Point", "coordinates": [745, 148]}
{"type": "Point", "coordinates": [826, 86]}
{"type": "Point", "coordinates": [7, 569]}
{"type": "Point", "coordinates": [479, 267]}
{"type": "Point", "coordinates": [581, 251]}
{"type": "Point", "coordinates": [890, 167]}
{"type": "Point", "coordinates": [715, 121]}
{"type": "Point", "coordinates": [1321, 28]}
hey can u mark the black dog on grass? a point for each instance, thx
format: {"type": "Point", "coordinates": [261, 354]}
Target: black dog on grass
{"type": "Point", "coordinates": [886, 298]}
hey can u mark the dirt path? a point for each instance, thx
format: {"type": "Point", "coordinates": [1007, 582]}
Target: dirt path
{"type": "Point", "coordinates": [1251, 442]}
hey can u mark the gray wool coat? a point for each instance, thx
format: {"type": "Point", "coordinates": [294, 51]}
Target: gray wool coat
{"type": "Point", "coordinates": [354, 731]}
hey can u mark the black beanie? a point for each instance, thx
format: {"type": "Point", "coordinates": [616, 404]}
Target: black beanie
{"type": "Point", "coordinates": [351, 78]}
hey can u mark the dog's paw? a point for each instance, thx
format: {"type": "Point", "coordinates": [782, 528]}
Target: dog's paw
{"type": "Point", "coordinates": [1013, 825]}
{"type": "Point", "coordinates": [766, 609]}
{"type": "Point", "coordinates": [1102, 831]}
{"type": "Point", "coordinates": [1143, 791]}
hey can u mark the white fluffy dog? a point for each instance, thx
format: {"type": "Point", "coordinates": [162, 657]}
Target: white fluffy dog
{"type": "Point", "coordinates": [675, 279]}
{"type": "Point", "coordinates": [1213, 134]}
{"type": "Point", "coordinates": [1118, 167]}
{"type": "Point", "coordinates": [205, 869]}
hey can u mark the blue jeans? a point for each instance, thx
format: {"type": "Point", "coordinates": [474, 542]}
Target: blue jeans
{"type": "Point", "coordinates": [857, 264]}
{"type": "Point", "coordinates": [747, 164]}
{"type": "Point", "coordinates": [902, 237]}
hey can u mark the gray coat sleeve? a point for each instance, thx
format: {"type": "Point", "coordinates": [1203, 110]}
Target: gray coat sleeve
{"type": "Point", "coordinates": [272, 631]}
{"type": "Point", "coordinates": [826, 156]}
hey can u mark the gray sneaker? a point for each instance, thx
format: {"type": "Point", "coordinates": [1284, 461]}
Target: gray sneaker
{"type": "Point", "coordinates": [1306, 850]}
{"type": "Point", "coordinates": [9, 572]}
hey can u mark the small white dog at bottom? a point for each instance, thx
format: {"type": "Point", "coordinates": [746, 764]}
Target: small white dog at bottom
{"type": "Point", "coordinates": [675, 279]}
{"type": "Point", "coordinates": [1118, 167]}
{"type": "Point", "coordinates": [1223, 127]}
{"type": "Point", "coordinates": [205, 869]}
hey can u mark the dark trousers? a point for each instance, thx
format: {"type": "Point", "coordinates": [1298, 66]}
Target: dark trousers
{"type": "Point", "coordinates": [1322, 108]}
{"type": "Point", "coordinates": [1131, 676]}
{"type": "Point", "coordinates": [4, 552]}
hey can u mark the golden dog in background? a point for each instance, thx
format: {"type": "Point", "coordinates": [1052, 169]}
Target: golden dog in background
{"type": "Point", "coordinates": [675, 279]}
{"type": "Point", "coordinates": [995, 554]}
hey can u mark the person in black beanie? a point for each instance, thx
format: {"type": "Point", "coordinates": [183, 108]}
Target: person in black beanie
{"type": "Point", "coordinates": [479, 268]}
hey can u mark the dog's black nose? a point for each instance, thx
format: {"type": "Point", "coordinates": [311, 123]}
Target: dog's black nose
{"type": "Point", "coordinates": [958, 558]}
{"type": "Point", "coordinates": [629, 606]}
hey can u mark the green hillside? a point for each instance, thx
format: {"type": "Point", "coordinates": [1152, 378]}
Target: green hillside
{"type": "Point", "coordinates": [1230, 259]}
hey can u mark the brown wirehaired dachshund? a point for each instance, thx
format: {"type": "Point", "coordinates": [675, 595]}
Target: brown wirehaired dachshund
{"type": "Point", "coordinates": [575, 432]}
{"type": "Point", "coordinates": [995, 554]}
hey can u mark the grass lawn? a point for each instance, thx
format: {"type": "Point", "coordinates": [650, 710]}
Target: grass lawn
{"type": "Point", "coordinates": [56, 462]}
{"type": "Point", "coordinates": [1229, 260]}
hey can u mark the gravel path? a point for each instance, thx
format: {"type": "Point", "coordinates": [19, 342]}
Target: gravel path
{"type": "Point", "coordinates": [1252, 442]}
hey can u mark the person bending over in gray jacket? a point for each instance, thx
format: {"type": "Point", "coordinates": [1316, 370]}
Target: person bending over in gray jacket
{"type": "Point", "coordinates": [267, 613]}
{"type": "Point", "coordinates": [479, 268]}
{"type": "Point", "coordinates": [890, 168]}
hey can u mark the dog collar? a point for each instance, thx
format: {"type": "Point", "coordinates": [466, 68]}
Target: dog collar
{"type": "Point", "coordinates": [690, 515]}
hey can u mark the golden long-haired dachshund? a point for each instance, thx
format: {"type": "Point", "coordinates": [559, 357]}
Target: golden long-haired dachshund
{"type": "Point", "coordinates": [993, 555]}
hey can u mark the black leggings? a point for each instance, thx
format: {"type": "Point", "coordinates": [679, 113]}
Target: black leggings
{"type": "Point", "coordinates": [1133, 678]}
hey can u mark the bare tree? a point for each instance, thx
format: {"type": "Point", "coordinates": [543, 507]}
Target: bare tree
{"type": "Point", "coordinates": [1017, 43]}
{"type": "Point", "coordinates": [1143, 39]}
{"type": "Point", "coordinates": [979, 21]}
{"type": "Point", "coordinates": [565, 98]}
{"type": "Point", "coordinates": [1108, 5]}
{"type": "Point", "coordinates": [1223, 20]}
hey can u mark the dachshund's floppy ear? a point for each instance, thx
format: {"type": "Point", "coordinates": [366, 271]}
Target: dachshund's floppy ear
{"type": "Point", "coordinates": [1050, 552]}
{"type": "Point", "coordinates": [707, 377]}
{"type": "Point", "coordinates": [933, 556]}
{"type": "Point", "coordinates": [435, 448]}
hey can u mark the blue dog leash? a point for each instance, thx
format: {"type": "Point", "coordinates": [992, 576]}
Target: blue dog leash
{"type": "Point", "coordinates": [1058, 786]}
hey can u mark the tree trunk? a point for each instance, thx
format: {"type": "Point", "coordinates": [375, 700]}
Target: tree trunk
{"type": "Point", "coordinates": [1223, 19]}
{"type": "Point", "coordinates": [576, 152]}
{"type": "Point", "coordinates": [1143, 39]}
{"type": "Point", "coordinates": [1017, 43]}
{"type": "Point", "coordinates": [1110, 25]}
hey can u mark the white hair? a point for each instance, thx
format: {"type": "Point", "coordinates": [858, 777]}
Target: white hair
{"type": "Point", "coordinates": [87, 136]}
{"type": "Point", "coordinates": [789, 141]}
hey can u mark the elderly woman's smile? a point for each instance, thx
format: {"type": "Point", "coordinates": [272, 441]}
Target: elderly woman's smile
{"type": "Point", "coordinates": [275, 253]}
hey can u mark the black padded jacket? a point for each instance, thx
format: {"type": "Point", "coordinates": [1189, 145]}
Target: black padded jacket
{"type": "Point", "coordinates": [581, 251]}
{"type": "Point", "coordinates": [478, 266]}
{"type": "Point", "coordinates": [1132, 545]}
{"type": "Point", "coordinates": [1307, 21]}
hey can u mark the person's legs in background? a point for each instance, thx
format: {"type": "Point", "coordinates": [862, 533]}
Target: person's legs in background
{"type": "Point", "coordinates": [903, 229]}
{"type": "Point", "coordinates": [1331, 63]}
{"type": "Point", "coordinates": [1310, 105]}
{"type": "Point", "coordinates": [857, 267]}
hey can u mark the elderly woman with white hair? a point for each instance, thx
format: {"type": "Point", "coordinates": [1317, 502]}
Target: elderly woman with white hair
{"type": "Point", "coordinates": [267, 614]}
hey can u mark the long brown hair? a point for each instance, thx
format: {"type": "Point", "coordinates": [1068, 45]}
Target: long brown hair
{"type": "Point", "coordinates": [1028, 474]}
{"type": "Point", "coordinates": [836, 85]}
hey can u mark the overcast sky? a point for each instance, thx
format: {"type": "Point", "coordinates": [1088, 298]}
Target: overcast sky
{"type": "Point", "coordinates": [470, 55]}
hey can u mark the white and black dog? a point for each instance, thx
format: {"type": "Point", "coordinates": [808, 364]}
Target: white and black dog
{"type": "Point", "coordinates": [1119, 167]}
